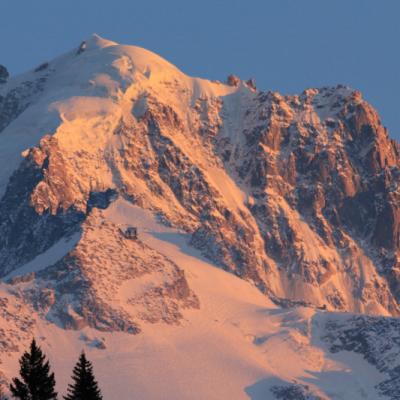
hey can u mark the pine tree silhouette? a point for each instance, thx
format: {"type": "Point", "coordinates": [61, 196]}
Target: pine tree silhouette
{"type": "Point", "coordinates": [84, 386]}
{"type": "Point", "coordinates": [37, 382]}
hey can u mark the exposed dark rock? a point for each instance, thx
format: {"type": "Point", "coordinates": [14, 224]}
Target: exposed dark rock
{"type": "Point", "coordinates": [25, 233]}
{"type": "Point", "coordinates": [293, 392]}
{"type": "Point", "coordinates": [101, 199]}
{"type": "Point", "coordinates": [3, 74]}
{"type": "Point", "coordinates": [82, 48]}
{"type": "Point", "coordinates": [377, 339]}
{"type": "Point", "coordinates": [17, 100]}
{"type": "Point", "coordinates": [42, 67]}
{"type": "Point", "coordinates": [251, 83]}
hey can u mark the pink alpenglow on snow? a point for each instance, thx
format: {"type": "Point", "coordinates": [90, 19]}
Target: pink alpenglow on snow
{"type": "Point", "coordinates": [199, 240]}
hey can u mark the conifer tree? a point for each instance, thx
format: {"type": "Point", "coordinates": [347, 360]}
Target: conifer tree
{"type": "Point", "coordinates": [84, 386]}
{"type": "Point", "coordinates": [36, 383]}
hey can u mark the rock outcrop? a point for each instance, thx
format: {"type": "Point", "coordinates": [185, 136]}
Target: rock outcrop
{"type": "Point", "coordinates": [3, 74]}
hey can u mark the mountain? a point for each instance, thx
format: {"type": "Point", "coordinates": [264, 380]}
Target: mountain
{"type": "Point", "coordinates": [267, 231]}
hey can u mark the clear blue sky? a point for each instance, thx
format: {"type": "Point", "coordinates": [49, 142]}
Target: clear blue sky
{"type": "Point", "coordinates": [286, 45]}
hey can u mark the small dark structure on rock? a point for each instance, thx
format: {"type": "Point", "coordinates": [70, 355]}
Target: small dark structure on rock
{"type": "Point", "coordinates": [130, 232]}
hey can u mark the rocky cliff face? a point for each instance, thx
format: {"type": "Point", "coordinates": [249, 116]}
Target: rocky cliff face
{"type": "Point", "coordinates": [298, 194]}
{"type": "Point", "coordinates": [323, 178]}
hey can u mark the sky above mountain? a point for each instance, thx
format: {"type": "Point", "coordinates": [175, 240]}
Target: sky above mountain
{"type": "Point", "coordinates": [286, 45]}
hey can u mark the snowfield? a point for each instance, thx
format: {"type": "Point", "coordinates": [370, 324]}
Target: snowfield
{"type": "Point", "coordinates": [238, 345]}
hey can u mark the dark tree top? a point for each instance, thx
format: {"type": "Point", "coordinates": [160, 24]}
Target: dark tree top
{"type": "Point", "coordinates": [84, 385]}
{"type": "Point", "coordinates": [36, 382]}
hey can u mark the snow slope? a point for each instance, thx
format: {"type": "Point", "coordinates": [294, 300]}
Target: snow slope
{"type": "Point", "coordinates": [91, 85]}
{"type": "Point", "coordinates": [237, 345]}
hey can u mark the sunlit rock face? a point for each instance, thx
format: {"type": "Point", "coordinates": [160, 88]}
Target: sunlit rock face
{"type": "Point", "coordinates": [323, 178]}
{"type": "Point", "coordinates": [297, 194]}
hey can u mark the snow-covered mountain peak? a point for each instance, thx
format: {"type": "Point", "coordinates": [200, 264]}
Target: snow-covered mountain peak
{"type": "Point", "coordinates": [126, 185]}
{"type": "Point", "coordinates": [96, 41]}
